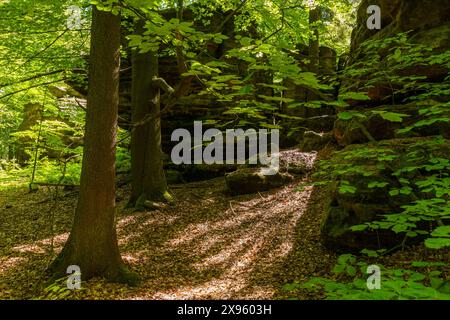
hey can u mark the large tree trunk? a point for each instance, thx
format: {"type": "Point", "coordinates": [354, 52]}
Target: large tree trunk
{"type": "Point", "coordinates": [92, 244]}
{"type": "Point", "coordinates": [149, 181]}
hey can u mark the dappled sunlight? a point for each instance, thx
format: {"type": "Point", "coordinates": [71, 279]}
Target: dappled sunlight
{"type": "Point", "coordinates": [30, 248]}
{"type": "Point", "coordinates": [224, 150]}
{"type": "Point", "coordinates": [207, 245]}
{"type": "Point", "coordinates": [130, 227]}
{"type": "Point", "coordinates": [227, 254]}
{"type": "Point", "coordinates": [144, 219]}
{"type": "Point", "coordinates": [234, 278]}
{"type": "Point", "coordinates": [249, 235]}
{"type": "Point", "coordinates": [20, 254]}
{"type": "Point", "coordinates": [7, 263]}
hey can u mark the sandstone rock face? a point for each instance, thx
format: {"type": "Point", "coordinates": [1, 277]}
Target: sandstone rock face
{"type": "Point", "coordinates": [350, 132]}
{"type": "Point", "coordinates": [427, 24]}
{"type": "Point", "coordinates": [376, 147]}
{"type": "Point", "coordinates": [313, 141]}
{"type": "Point", "coordinates": [293, 132]}
{"type": "Point", "coordinates": [319, 118]}
{"type": "Point", "coordinates": [422, 17]}
{"type": "Point", "coordinates": [375, 164]}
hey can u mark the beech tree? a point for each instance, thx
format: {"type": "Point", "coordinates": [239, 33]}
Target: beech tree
{"type": "Point", "coordinates": [148, 178]}
{"type": "Point", "coordinates": [92, 244]}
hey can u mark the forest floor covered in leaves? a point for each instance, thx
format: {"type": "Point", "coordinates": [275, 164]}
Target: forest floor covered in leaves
{"type": "Point", "coordinates": [208, 245]}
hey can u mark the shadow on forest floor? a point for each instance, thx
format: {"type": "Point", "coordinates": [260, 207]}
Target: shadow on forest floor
{"type": "Point", "coordinates": [207, 246]}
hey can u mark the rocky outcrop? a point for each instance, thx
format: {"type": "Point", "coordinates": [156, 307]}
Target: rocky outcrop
{"type": "Point", "coordinates": [374, 126]}
{"type": "Point", "coordinates": [32, 114]}
{"type": "Point", "coordinates": [428, 21]}
{"type": "Point", "coordinates": [396, 128]}
{"type": "Point", "coordinates": [313, 141]}
{"type": "Point", "coordinates": [317, 117]}
{"type": "Point", "coordinates": [252, 179]}
{"type": "Point", "coordinates": [365, 178]}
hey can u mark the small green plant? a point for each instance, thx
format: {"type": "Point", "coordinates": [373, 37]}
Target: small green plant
{"type": "Point", "coordinates": [58, 290]}
{"type": "Point", "coordinates": [424, 280]}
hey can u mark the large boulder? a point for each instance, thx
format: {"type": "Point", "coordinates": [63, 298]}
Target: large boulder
{"type": "Point", "coordinates": [253, 180]}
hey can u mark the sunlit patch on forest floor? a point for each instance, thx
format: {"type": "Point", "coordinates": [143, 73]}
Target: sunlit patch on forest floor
{"type": "Point", "coordinates": [209, 245]}
{"type": "Point", "coordinates": [218, 247]}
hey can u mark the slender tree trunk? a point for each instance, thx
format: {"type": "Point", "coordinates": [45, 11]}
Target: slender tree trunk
{"type": "Point", "coordinates": [314, 48]}
{"type": "Point", "coordinates": [149, 181]}
{"type": "Point", "coordinates": [314, 18]}
{"type": "Point", "coordinates": [92, 243]}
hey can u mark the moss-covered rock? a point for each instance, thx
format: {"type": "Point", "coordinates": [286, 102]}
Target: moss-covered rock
{"type": "Point", "coordinates": [415, 16]}
{"type": "Point", "coordinates": [313, 141]}
{"type": "Point", "coordinates": [348, 132]}
{"type": "Point", "coordinates": [201, 172]}
{"type": "Point", "coordinates": [252, 180]}
{"type": "Point", "coordinates": [363, 176]}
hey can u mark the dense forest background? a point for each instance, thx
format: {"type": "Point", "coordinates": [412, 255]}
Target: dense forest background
{"type": "Point", "coordinates": [91, 92]}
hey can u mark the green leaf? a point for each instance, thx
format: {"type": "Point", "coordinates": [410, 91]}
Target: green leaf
{"type": "Point", "coordinates": [373, 185]}
{"type": "Point", "coordinates": [441, 232]}
{"type": "Point", "coordinates": [291, 287]}
{"type": "Point", "coordinates": [423, 264]}
{"type": "Point", "coordinates": [370, 253]}
{"type": "Point", "coordinates": [360, 227]}
{"type": "Point", "coordinates": [437, 243]}
{"type": "Point", "coordinates": [398, 228]}
{"type": "Point", "coordinates": [391, 116]}
{"type": "Point", "coordinates": [351, 270]}
{"type": "Point", "coordinates": [395, 192]}
{"type": "Point", "coordinates": [348, 115]}
{"type": "Point", "coordinates": [245, 41]}
{"type": "Point", "coordinates": [345, 187]}
{"type": "Point", "coordinates": [354, 96]}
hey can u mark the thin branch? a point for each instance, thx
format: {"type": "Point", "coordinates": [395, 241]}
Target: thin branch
{"type": "Point", "coordinates": [43, 50]}
{"type": "Point", "coordinates": [43, 184]}
{"type": "Point", "coordinates": [140, 14]}
{"type": "Point", "coordinates": [32, 78]}
{"type": "Point", "coordinates": [41, 32]}
{"type": "Point", "coordinates": [80, 105]}
{"type": "Point", "coordinates": [31, 87]}
{"type": "Point", "coordinates": [232, 13]}
{"type": "Point", "coordinates": [283, 22]}
{"type": "Point", "coordinates": [163, 85]}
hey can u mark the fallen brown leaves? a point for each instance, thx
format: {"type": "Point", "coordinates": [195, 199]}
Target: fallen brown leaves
{"type": "Point", "coordinates": [207, 246]}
